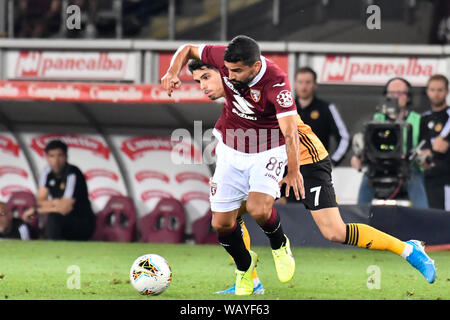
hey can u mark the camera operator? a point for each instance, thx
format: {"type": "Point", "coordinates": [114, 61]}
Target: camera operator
{"type": "Point", "coordinates": [400, 89]}
{"type": "Point", "coordinates": [435, 157]}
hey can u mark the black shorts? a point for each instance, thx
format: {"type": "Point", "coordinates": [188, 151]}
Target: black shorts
{"type": "Point", "coordinates": [319, 190]}
{"type": "Point", "coordinates": [70, 227]}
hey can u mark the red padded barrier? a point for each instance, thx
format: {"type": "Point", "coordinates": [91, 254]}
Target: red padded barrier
{"type": "Point", "coordinates": [117, 221]}
{"type": "Point", "coordinates": [166, 223]}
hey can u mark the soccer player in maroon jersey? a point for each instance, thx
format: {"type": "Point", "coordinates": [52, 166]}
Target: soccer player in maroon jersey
{"type": "Point", "coordinates": [210, 83]}
{"type": "Point", "coordinates": [258, 136]}
{"type": "Point", "coordinates": [322, 204]}
{"type": "Point", "coordinates": [320, 196]}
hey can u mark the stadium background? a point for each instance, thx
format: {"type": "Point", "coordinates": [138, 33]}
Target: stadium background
{"type": "Point", "coordinates": [100, 91]}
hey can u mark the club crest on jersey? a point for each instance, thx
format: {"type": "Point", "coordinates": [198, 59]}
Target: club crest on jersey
{"type": "Point", "coordinates": [255, 94]}
{"type": "Point", "coordinates": [438, 127]}
{"type": "Point", "coordinates": [284, 99]}
{"type": "Point", "coordinates": [315, 115]}
{"type": "Point", "coordinates": [213, 188]}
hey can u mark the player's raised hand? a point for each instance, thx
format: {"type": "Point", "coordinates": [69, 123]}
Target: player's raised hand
{"type": "Point", "coordinates": [295, 180]}
{"type": "Point", "coordinates": [169, 82]}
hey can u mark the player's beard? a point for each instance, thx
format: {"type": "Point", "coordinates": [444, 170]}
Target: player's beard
{"type": "Point", "coordinates": [243, 84]}
{"type": "Point", "coordinates": [240, 85]}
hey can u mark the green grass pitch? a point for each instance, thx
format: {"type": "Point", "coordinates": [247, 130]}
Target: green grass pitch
{"type": "Point", "coordinates": [32, 270]}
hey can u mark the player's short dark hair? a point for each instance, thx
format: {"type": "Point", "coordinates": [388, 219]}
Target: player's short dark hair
{"type": "Point", "coordinates": [56, 144]}
{"type": "Point", "coordinates": [243, 49]}
{"type": "Point", "coordinates": [438, 77]}
{"type": "Point", "coordinates": [195, 64]}
{"type": "Point", "coordinates": [306, 70]}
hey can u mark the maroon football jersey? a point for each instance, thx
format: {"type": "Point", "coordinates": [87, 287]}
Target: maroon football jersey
{"type": "Point", "coordinates": [249, 121]}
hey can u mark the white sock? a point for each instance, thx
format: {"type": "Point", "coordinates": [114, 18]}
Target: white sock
{"type": "Point", "coordinates": [407, 251]}
{"type": "Point", "coordinates": [256, 282]}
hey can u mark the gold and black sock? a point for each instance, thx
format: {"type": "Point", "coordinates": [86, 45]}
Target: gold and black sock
{"type": "Point", "coordinates": [365, 236]}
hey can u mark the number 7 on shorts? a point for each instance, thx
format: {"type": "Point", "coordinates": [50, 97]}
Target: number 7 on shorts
{"type": "Point", "coordinates": [316, 196]}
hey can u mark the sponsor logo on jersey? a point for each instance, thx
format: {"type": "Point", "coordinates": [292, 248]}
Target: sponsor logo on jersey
{"type": "Point", "coordinates": [243, 115]}
{"type": "Point", "coordinates": [284, 99]}
{"type": "Point", "coordinates": [243, 108]}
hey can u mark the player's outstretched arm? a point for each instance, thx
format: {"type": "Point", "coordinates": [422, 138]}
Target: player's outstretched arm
{"type": "Point", "coordinates": [181, 57]}
{"type": "Point", "coordinates": [294, 179]}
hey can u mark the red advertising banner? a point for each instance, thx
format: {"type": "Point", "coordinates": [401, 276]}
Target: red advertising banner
{"type": "Point", "coordinates": [375, 70]}
{"type": "Point", "coordinates": [71, 65]}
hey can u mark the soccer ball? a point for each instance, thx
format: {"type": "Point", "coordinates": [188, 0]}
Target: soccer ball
{"type": "Point", "coordinates": [150, 274]}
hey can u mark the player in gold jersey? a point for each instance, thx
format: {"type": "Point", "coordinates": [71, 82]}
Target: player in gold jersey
{"type": "Point", "coordinates": [320, 198]}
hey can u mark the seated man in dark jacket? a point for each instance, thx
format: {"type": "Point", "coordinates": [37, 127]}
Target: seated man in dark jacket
{"type": "Point", "coordinates": [63, 197]}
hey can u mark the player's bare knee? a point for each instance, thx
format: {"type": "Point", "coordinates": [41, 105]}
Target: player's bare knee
{"type": "Point", "coordinates": [259, 207]}
{"type": "Point", "coordinates": [250, 206]}
{"type": "Point", "coordinates": [333, 235]}
{"type": "Point", "coordinates": [259, 211]}
{"type": "Point", "coordinates": [221, 226]}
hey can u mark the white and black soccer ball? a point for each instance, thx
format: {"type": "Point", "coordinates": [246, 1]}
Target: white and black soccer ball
{"type": "Point", "coordinates": [150, 274]}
